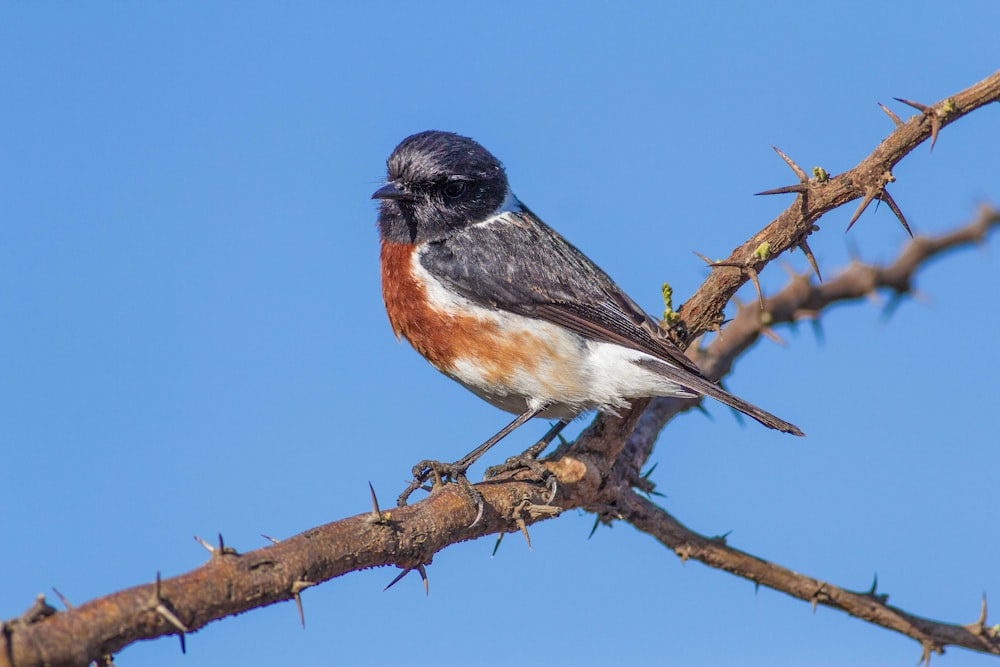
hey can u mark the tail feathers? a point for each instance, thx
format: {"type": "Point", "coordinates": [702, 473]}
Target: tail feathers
{"type": "Point", "coordinates": [696, 383]}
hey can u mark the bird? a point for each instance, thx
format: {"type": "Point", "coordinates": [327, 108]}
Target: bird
{"type": "Point", "coordinates": [500, 302]}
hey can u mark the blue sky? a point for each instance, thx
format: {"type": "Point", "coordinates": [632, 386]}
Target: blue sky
{"type": "Point", "coordinates": [193, 338]}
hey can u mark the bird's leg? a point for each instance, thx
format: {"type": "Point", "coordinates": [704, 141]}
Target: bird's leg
{"type": "Point", "coordinates": [441, 473]}
{"type": "Point", "coordinates": [529, 459]}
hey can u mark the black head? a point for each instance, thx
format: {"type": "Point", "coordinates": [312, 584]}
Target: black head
{"type": "Point", "coordinates": [438, 183]}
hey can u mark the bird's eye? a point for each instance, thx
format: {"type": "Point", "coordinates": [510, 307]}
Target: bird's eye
{"type": "Point", "coordinates": [454, 189]}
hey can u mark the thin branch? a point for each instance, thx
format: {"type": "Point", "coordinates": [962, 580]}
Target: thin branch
{"type": "Point", "coordinates": [801, 299]}
{"type": "Point", "coordinates": [868, 605]}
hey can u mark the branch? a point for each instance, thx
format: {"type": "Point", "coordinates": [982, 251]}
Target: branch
{"type": "Point", "coordinates": [868, 605]}
{"type": "Point", "coordinates": [821, 194]}
{"type": "Point", "coordinates": [598, 472]}
{"type": "Point", "coordinates": [801, 299]}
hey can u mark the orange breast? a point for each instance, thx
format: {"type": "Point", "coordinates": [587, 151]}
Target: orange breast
{"type": "Point", "coordinates": [444, 338]}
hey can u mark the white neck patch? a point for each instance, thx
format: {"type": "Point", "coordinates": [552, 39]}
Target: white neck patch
{"type": "Point", "coordinates": [510, 204]}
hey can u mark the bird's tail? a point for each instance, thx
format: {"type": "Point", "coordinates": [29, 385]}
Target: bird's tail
{"type": "Point", "coordinates": [701, 385]}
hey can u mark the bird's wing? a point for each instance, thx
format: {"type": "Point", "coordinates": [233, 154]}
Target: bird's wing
{"type": "Point", "coordinates": [519, 264]}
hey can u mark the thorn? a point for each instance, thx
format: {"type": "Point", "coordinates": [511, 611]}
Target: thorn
{"type": "Point", "coordinates": [597, 522]}
{"type": "Point", "coordinates": [399, 576]}
{"type": "Point", "coordinates": [817, 327]}
{"type": "Point", "coordinates": [804, 246]}
{"type": "Point", "coordinates": [816, 596]}
{"type": "Point", "coordinates": [718, 263]}
{"type": "Point", "coordinates": [221, 550]}
{"type": "Point", "coordinates": [62, 598]}
{"type": "Point", "coordinates": [923, 108]}
{"type": "Point", "coordinates": [756, 587]}
{"type": "Point", "coordinates": [224, 550]}
{"type": "Point", "coordinates": [798, 188]}
{"type": "Point", "coordinates": [171, 618]}
{"type": "Point", "coordinates": [650, 471]}
{"type": "Point", "coordinates": [524, 531]}
{"type": "Point", "coordinates": [762, 252]}
{"type": "Point", "coordinates": [184, 649]}
{"type": "Point", "coordinates": [270, 539]}
{"type": "Point", "coordinates": [752, 272]}
{"type": "Point", "coordinates": [376, 512]}
{"type": "Point", "coordinates": [159, 604]}
{"type": "Point", "coordinates": [928, 647]}
{"type": "Point", "coordinates": [791, 163]}
{"type": "Point", "coordinates": [423, 577]}
{"type": "Point", "coordinates": [891, 306]}
{"type": "Point", "coordinates": [925, 654]}
{"type": "Point", "coordinates": [887, 198]}
{"type": "Point", "coordinates": [297, 587]}
{"type": "Point", "coordinates": [871, 591]}
{"type": "Point", "coordinates": [890, 114]}
{"type": "Point", "coordinates": [981, 621]}
{"type": "Point", "coordinates": [703, 258]}
{"type": "Point", "coordinates": [931, 113]}
{"type": "Point", "coordinates": [867, 199]}
{"type": "Point", "coordinates": [875, 298]}
{"type": "Point", "coordinates": [497, 545]}
{"type": "Point", "coordinates": [770, 333]}
{"type": "Point", "coordinates": [377, 516]}
{"type": "Point", "coordinates": [703, 410]}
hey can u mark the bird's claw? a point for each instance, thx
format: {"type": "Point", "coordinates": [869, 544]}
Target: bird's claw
{"type": "Point", "coordinates": [527, 460]}
{"type": "Point", "coordinates": [440, 474]}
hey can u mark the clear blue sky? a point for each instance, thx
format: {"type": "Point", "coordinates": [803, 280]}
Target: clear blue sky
{"type": "Point", "coordinates": [193, 338]}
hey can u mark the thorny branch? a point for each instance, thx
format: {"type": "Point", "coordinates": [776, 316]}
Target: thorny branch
{"type": "Point", "coordinates": [821, 194]}
{"type": "Point", "coordinates": [598, 472]}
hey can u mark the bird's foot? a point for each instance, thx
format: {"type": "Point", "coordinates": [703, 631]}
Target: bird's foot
{"type": "Point", "coordinates": [439, 474]}
{"type": "Point", "coordinates": [528, 460]}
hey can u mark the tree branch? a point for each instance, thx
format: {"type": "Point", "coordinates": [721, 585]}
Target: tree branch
{"type": "Point", "coordinates": [821, 194]}
{"type": "Point", "coordinates": [597, 472]}
{"type": "Point", "coordinates": [867, 605]}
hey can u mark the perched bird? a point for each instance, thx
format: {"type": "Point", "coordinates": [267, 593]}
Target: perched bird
{"type": "Point", "coordinates": [495, 299]}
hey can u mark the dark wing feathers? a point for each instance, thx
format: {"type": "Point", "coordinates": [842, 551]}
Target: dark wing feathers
{"type": "Point", "coordinates": [525, 267]}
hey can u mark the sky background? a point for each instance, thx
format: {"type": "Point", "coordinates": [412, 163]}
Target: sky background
{"type": "Point", "coordinates": [192, 338]}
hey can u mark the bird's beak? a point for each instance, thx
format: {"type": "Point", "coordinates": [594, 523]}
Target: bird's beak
{"type": "Point", "coordinates": [392, 191]}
